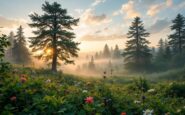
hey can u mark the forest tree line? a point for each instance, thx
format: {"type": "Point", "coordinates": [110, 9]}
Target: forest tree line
{"type": "Point", "coordinates": [53, 34]}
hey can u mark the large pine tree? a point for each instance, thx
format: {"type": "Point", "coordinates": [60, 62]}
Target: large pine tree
{"type": "Point", "coordinates": [137, 53]}
{"type": "Point", "coordinates": [177, 39]}
{"type": "Point", "coordinates": [54, 33]}
{"type": "Point", "coordinates": [20, 52]}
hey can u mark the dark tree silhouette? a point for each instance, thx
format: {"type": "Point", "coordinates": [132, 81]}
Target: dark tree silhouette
{"type": "Point", "coordinates": [54, 32]}
{"type": "Point", "coordinates": [167, 51]}
{"type": "Point", "coordinates": [137, 53]}
{"type": "Point", "coordinates": [19, 51]}
{"type": "Point", "coordinates": [161, 49]}
{"type": "Point", "coordinates": [177, 39]}
{"type": "Point", "coordinates": [106, 51]}
{"type": "Point", "coordinates": [116, 52]}
{"type": "Point", "coordinates": [91, 64]}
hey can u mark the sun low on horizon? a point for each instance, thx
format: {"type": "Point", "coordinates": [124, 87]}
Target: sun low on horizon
{"type": "Point", "coordinates": [101, 21]}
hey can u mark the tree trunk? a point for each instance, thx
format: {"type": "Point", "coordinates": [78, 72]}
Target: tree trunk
{"type": "Point", "coordinates": [180, 42]}
{"type": "Point", "coordinates": [54, 60]}
{"type": "Point", "coordinates": [54, 44]}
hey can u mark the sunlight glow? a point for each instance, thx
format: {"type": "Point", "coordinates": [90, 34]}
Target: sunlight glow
{"type": "Point", "coordinates": [49, 51]}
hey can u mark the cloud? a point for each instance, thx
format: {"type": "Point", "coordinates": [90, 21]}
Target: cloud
{"type": "Point", "coordinates": [94, 37]}
{"type": "Point", "coordinates": [169, 3]}
{"type": "Point", "coordinates": [159, 25]}
{"type": "Point", "coordinates": [156, 8]}
{"type": "Point", "coordinates": [9, 23]}
{"type": "Point", "coordinates": [128, 10]}
{"type": "Point", "coordinates": [96, 2]}
{"type": "Point", "coordinates": [90, 18]}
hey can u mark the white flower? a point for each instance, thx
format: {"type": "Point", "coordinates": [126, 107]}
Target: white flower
{"type": "Point", "coordinates": [137, 102]}
{"type": "Point", "coordinates": [48, 80]}
{"type": "Point", "coordinates": [84, 91]}
{"type": "Point", "coordinates": [151, 90]}
{"type": "Point", "coordinates": [148, 112]}
{"type": "Point", "coordinates": [179, 110]}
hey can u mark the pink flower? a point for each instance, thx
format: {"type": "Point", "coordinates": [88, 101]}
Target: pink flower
{"type": "Point", "coordinates": [89, 100]}
{"type": "Point", "coordinates": [13, 98]}
{"type": "Point", "coordinates": [23, 79]}
{"type": "Point", "coordinates": [123, 113]}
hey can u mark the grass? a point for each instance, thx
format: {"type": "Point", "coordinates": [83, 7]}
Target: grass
{"type": "Point", "coordinates": [38, 91]}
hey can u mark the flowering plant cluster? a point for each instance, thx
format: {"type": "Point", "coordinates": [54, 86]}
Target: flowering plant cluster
{"type": "Point", "coordinates": [32, 94]}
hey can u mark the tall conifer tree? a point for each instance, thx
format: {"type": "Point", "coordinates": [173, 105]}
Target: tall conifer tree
{"type": "Point", "coordinates": [137, 53]}
{"type": "Point", "coordinates": [54, 32]}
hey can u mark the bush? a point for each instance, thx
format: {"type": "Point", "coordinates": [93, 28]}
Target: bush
{"type": "Point", "coordinates": [176, 90]}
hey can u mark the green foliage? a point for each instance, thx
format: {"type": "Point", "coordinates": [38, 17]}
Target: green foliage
{"type": "Point", "coordinates": [141, 84]}
{"type": "Point", "coordinates": [137, 53]}
{"type": "Point", "coordinates": [54, 33]}
{"type": "Point", "coordinates": [4, 43]}
{"type": "Point", "coordinates": [66, 94]}
{"type": "Point", "coordinates": [177, 39]}
{"type": "Point", "coordinates": [176, 90]}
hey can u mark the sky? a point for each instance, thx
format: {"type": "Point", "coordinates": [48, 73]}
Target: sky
{"type": "Point", "coordinates": [101, 21]}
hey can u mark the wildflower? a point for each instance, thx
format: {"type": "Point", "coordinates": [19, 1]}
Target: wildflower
{"type": "Point", "coordinates": [167, 113]}
{"type": "Point", "coordinates": [179, 110]}
{"type": "Point", "coordinates": [148, 112]}
{"type": "Point", "coordinates": [89, 100]}
{"type": "Point", "coordinates": [48, 80]}
{"type": "Point", "coordinates": [22, 75]}
{"type": "Point", "coordinates": [143, 97]}
{"type": "Point", "coordinates": [123, 113]}
{"type": "Point", "coordinates": [151, 90]}
{"type": "Point", "coordinates": [13, 98]}
{"type": "Point", "coordinates": [84, 91]}
{"type": "Point", "coordinates": [88, 83]}
{"type": "Point", "coordinates": [23, 79]}
{"type": "Point", "coordinates": [137, 102]}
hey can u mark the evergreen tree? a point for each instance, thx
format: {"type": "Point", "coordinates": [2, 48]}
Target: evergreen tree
{"type": "Point", "coordinates": [177, 39]}
{"type": "Point", "coordinates": [8, 54]}
{"type": "Point", "coordinates": [91, 64]}
{"type": "Point", "coordinates": [54, 32]}
{"type": "Point", "coordinates": [160, 53]}
{"type": "Point", "coordinates": [106, 51]}
{"type": "Point", "coordinates": [117, 52]}
{"type": "Point", "coordinates": [153, 51]}
{"type": "Point", "coordinates": [96, 55]}
{"type": "Point", "coordinates": [137, 53]}
{"type": "Point", "coordinates": [20, 52]}
{"type": "Point", "coordinates": [4, 43]}
{"type": "Point", "coordinates": [167, 51]}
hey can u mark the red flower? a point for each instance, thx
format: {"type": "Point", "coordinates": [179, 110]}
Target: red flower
{"type": "Point", "coordinates": [23, 75]}
{"type": "Point", "coordinates": [123, 113]}
{"type": "Point", "coordinates": [23, 79]}
{"type": "Point", "coordinates": [13, 98]}
{"type": "Point", "coordinates": [89, 100]}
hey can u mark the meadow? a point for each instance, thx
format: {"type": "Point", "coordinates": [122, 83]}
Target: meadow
{"type": "Point", "coordinates": [39, 91]}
